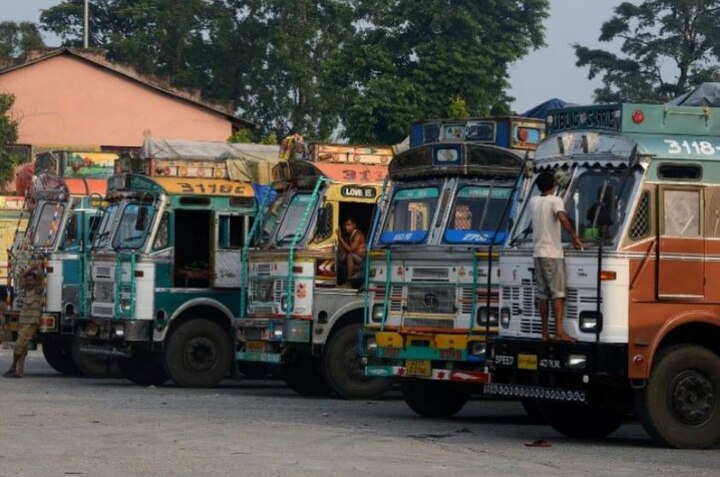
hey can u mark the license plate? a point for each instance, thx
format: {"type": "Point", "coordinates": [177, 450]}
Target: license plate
{"type": "Point", "coordinates": [527, 361]}
{"type": "Point", "coordinates": [418, 368]}
{"type": "Point", "coordinates": [255, 346]}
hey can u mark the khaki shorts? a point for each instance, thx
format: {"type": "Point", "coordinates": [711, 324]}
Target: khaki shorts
{"type": "Point", "coordinates": [549, 278]}
{"type": "Point", "coordinates": [26, 334]}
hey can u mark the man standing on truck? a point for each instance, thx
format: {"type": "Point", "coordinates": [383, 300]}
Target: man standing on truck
{"type": "Point", "coordinates": [353, 250]}
{"type": "Point", "coordinates": [28, 320]}
{"type": "Point", "coordinates": [548, 214]}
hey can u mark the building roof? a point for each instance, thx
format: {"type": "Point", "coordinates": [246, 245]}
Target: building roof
{"type": "Point", "coordinates": [97, 58]}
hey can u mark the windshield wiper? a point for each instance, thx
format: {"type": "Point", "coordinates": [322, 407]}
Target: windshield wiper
{"type": "Point", "coordinates": [522, 235]}
{"type": "Point", "coordinates": [287, 236]}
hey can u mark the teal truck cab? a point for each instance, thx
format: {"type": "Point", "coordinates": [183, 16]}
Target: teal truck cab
{"type": "Point", "coordinates": [432, 283]}
{"type": "Point", "coordinates": [63, 214]}
{"type": "Point", "coordinates": [165, 279]}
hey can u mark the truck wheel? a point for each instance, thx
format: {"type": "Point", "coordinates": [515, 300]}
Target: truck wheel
{"type": "Point", "coordinates": [92, 365]}
{"type": "Point", "coordinates": [345, 371]}
{"type": "Point", "coordinates": [534, 411]}
{"type": "Point", "coordinates": [199, 354]}
{"type": "Point", "coordinates": [433, 398]}
{"type": "Point", "coordinates": [58, 354]}
{"type": "Point", "coordinates": [304, 374]}
{"type": "Point", "coordinates": [581, 421]}
{"type": "Point", "coordinates": [680, 406]}
{"type": "Point", "coordinates": [144, 368]}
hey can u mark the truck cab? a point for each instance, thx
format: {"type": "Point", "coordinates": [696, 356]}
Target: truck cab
{"type": "Point", "coordinates": [640, 186]}
{"type": "Point", "coordinates": [63, 212]}
{"type": "Point", "coordinates": [432, 288]}
{"type": "Point", "coordinates": [303, 311]}
{"type": "Point", "coordinates": [165, 276]}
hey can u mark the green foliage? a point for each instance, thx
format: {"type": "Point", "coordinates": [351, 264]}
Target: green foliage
{"type": "Point", "coordinates": [668, 46]}
{"type": "Point", "coordinates": [17, 38]}
{"type": "Point", "coordinates": [414, 57]}
{"type": "Point", "coordinates": [241, 136]}
{"type": "Point", "coordinates": [363, 69]}
{"type": "Point", "coordinates": [458, 108]}
{"type": "Point", "coordinates": [271, 139]}
{"type": "Point", "coordinates": [8, 135]}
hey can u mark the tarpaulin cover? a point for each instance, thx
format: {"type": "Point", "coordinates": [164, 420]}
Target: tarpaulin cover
{"type": "Point", "coordinates": [245, 162]}
{"type": "Point", "coordinates": [707, 94]}
{"type": "Point", "coordinates": [540, 111]}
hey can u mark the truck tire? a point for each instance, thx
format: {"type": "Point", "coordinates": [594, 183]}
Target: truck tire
{"type": "Point", "coordinates": [344, 369]}
{"type": "Point", "coordinates": [534, 411]}
{"type": "Point", "coordinates": [199, 354]}
{"type": "Point", "coordinates": [581, 421]}
{"type": "Point", "coordinates": [58, 354]}
{"type": "Point", "coordinates": [433, 398]}
{"type": "Point", "coordinates": [91, 365]}
{"type": "Point", "coordinates": [144, 368]}
{"type": "Point", "coordinates": [680, 406]}
{"type": "Point", "coordinates": [304, 374]}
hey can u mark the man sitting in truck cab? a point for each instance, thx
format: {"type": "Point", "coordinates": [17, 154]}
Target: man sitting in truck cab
{"type": "Point", "coordinates": [353, 250]}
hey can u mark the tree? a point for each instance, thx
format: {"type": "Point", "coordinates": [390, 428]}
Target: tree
{"type": "Point", "coordinates": [412, 58]}
{"type": "Point", "coordinates": [17, 38]}
{"type": "Point", "coordinates": [158, 37]}
{"type": "Point", "coordinates": [8, 135]}
{"type": "Point", "coordinates": [668, 46]}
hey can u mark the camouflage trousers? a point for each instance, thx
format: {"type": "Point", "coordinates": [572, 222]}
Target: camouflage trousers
{"type": "Point", "coordinates": [25, 336]}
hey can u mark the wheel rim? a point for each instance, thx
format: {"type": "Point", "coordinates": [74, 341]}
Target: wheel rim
{"type": "Point", "coordinates": [692, 397]}
{"type": "Point", "coordinates": [200, 354]}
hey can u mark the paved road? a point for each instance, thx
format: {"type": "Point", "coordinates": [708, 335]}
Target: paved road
{"type": "Point", "coordinates": [55, 426]}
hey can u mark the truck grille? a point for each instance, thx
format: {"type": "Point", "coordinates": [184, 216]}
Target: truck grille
{"type": "Point", "coordinates": [431, 300]}
{"type": "Point", "coordinates": [267, 291]}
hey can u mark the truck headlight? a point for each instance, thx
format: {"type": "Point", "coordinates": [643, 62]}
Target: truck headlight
{"type": "Point", "coordinates": [478, 348]}
{"type": "Point", "coordinates": [377, 313]}
{"type": "Point", "coordinates": [576, 361]}
{"type": "Point", "coordinates": [487, 316]}
{"type": "Point", "coordinates": [505, 317]}
{"type": "Point", "coordinates": [589, 321]}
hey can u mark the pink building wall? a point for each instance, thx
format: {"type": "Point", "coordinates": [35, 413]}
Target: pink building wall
{"type": "Point", "coordinates": [65, 100]}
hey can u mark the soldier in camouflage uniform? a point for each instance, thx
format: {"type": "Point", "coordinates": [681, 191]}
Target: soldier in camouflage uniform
{"type": "Point", "coordinates": [28, 320]}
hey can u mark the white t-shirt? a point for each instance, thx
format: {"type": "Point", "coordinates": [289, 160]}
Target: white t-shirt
{"type": "Point", "coordinates": [546, 225]}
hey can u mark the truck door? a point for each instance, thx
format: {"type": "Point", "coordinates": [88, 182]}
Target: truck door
{"type": "Point", "coordinates": [681, 251]}
{"type": "Point", "coordinates": [230, 235]}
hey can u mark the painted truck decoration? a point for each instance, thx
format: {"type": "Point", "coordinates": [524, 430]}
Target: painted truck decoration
{"type": "Point", "coordinates": [642, 297]}
{"type": "Point", "coordinates": [298, 317]}
{"type": "Point", "coordinates": [165, 275]}
{"type": "Point", "coordinates": [432, 291]}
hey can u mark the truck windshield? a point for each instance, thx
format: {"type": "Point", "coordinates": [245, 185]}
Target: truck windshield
{"type": "Point", "coordinates": [476, 214]}
{"type": "Point", "coordinates": [134, 225]}
{"type": "Point", "coordinates": [102, 236]}
{"type": "Point", "coordinates": [47, 225]}
{"type": "Point", "coordinates": [585, 193]}
{"type": "Point", "coordinates": [409, 215]}
{"type": "Point", "coordinates": [271, 218]}
{"type": "Point", "coordinates": [291, 219]}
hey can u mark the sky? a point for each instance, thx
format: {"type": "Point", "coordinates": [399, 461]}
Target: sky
{"type": "Point", "coordinates": [549, 72]}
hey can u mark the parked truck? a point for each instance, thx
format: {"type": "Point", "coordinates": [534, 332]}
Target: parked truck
{"type": "Point", "coordinates": [303, 311]}
{"type": "Point", "coordinates": [164, 274]}
{"type": "Point", "coordinates": [641, 186]}
{"type": "Point", "coordinates": [64, 193]}
{"type": "Point", "coordinates": [432, 283]}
